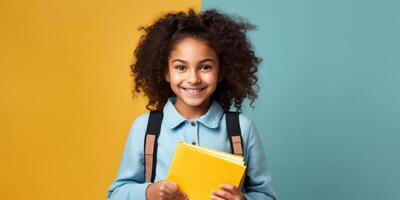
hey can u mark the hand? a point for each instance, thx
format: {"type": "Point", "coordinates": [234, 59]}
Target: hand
{"type": "Point", "coordinates": [228, 192]}
{"type": "Point", "coordinates": [164, 190]}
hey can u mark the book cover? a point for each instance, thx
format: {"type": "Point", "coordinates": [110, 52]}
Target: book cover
{"type": "Point", "coordinates": [198, 170]}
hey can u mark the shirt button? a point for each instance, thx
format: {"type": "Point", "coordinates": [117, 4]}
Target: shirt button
{"type": "Point", "coordinates": [193, 123]}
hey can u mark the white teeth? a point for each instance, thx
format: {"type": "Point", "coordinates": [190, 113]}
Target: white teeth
{"type": "Point", "coordinates": [193, 91]}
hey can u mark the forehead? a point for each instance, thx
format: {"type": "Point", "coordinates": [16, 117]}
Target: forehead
{"type": "Point", "coordinates": [192, 49]}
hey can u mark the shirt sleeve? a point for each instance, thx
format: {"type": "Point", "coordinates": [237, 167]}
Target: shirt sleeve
{"type": "Point", "coordinates": [257, 184]}
{"type": "Point", "coordinates": [129, 183]}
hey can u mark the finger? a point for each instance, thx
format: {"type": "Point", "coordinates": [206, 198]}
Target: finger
{"type": "Point", "coordinates": [213, 197]}
{"type": "Point", "coordinates": [230, 188]}
{"type": "Point", "coordinates": [165, 190]}
{"type": "Point", "coordinates": [222, 194]}
{"type": "Point", "coordinates": [164, 195]}
{"type": "Point", "coordinates": [175, 190]}
{"type": "Point", "coordinates": [180, 192]}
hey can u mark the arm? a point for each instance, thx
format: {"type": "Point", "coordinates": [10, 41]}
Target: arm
{"type": "Point", "coordinates": [258, 183]}
{"type": "Point", "coordinates": [129, 183]}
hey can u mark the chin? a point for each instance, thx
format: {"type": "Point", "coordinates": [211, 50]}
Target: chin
{"type": "Point", "coordinates": [194, 102]}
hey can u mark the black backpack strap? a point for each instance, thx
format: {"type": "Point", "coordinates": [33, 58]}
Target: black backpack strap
{"type": "Point", "coordinates": [150, 144]}
{"type": "Point", "coordinates": [234, 133]}
{"type": "Point", "coordinates": [235, 138]}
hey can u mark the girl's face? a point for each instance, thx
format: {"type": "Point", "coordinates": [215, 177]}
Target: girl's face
{"type": "Point", "coordinates": [193, 73]}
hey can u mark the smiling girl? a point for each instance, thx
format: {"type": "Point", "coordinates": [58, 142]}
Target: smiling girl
{"type": "Point", "coordinates": [193, 68]}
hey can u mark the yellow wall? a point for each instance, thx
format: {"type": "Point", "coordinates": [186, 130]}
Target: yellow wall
{"type": "Point", "coordinates": [65, 98]}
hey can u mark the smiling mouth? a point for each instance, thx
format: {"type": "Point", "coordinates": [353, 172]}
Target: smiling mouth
{"type": "Point", "coordinates": [193, 91]}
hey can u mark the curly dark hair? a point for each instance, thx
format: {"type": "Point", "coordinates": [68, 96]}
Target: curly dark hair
{"type": "Point", "coordinates": [224, 33]}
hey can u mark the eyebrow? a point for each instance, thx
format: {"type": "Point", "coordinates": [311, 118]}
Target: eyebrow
{"type": "Point", "coordinates": [204, 60]}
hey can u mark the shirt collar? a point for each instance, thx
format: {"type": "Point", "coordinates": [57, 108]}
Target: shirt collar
{"type": "Point", "coordinates": [173, 118]}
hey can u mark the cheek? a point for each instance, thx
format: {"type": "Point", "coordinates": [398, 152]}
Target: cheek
{"type": "Point", "coordinates": [175, 78]}
{"type": "Point", "coordinates": [211, 79]}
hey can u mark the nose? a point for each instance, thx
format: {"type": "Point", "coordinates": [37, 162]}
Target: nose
{"type": "Point", "coordinates": [194, 77]}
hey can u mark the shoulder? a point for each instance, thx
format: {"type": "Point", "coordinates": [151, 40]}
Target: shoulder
{"type": "Point", "coordinates": [138, 128]}
{"type": "Point", "coordinates": [141, 120]}
{"type": "Point", "coordinates": [245, 122]}
{"type": "Point", "coordinates": [246, 125]}
{"type": "Point", "coordinates": [247, 128]}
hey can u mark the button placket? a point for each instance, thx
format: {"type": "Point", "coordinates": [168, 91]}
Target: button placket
{"type": "Point", "coordinates": [194, 132]}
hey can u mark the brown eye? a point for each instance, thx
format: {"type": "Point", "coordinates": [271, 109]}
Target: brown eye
{"type": "Point", "coordinates": [180, 67]}
{"type": "Point", "coordinates": [205, 67]}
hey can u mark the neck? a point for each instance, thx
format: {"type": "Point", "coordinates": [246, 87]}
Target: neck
{"type": "Point", "coordinates": [192, 112]}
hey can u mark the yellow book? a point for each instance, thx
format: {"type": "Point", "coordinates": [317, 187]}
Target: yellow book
{"type": "Point", "coordinates": [198, 170]}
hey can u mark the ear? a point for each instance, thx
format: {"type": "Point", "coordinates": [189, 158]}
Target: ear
{"type": "Point", "coordinates": [166, 76]}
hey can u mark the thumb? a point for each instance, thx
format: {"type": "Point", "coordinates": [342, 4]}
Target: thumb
{"type": "Point", "coordinates": [179, 193]}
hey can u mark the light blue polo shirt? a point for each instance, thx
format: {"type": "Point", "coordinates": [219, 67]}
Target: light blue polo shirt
{"type": "Point", "coordinates": [209, 131]}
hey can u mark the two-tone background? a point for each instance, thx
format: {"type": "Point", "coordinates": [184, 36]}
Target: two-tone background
{"type": "Point", "coordinates": [328, 112]}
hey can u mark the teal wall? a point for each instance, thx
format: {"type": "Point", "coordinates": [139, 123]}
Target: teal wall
{"type": "Point", "coordinates": [329, 106]}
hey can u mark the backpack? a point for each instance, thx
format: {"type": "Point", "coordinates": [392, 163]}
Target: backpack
{"type": "Point", "coordinates": [153, 131]}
